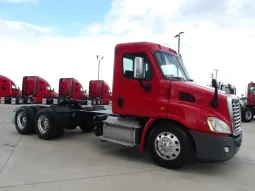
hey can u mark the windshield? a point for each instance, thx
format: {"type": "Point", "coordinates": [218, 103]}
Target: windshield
{"type": "Point", "coordinates": [227, 90]}
{"type": "Point", "coordinates": [14, 87]}
{"type": "Point", "coordinates": [171, 66]}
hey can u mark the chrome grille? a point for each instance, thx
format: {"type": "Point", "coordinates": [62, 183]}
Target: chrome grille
{"type": "Point", "coordinates": [235, 113]}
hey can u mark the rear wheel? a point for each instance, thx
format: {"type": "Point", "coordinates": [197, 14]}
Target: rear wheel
{"type": "Point", "coordinates": [29, 100]}
{"type": "Point", "coordinates": [94, 102]}
{"type": "Point", "coordinates": [24, 120]}
{"type": "Point", "coordinates": [169, 145]}
{"type": "Point", "coordinates": [20, 100]}
{"type": "Point", "coordinates": [45, 126]}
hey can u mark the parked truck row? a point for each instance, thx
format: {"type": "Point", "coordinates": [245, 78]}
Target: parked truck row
{"type": "Point", "coordinates": [155, 106]}
{"type": "Point", "coordinates": [247, 103]}
{"type": "Point", "coordinates": [35, 89]}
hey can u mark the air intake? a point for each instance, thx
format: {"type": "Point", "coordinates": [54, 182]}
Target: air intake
{"type": "Point", "coordinates": [187, 97]}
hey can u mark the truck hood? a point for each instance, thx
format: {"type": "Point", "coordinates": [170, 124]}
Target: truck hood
{"type": "Point", "coordinates": [202, 94]}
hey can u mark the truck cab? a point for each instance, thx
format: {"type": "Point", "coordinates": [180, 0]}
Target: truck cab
{"type": "Point", "coordinates": [251, 100]}
{"type": "Point", "coordinates": [251, 94]}
{"type": "Point", "coordinates": [35, 89]}
{"type": "Point", "coordinates": [70, 89]}
{"type": "Point", "coordinates": [152, 90]}
{"type": "Point", "coordinates": [8, 89]}
{"type": "Point", "coordinates": [228, 88]}
{"type": "Point", "coordinates": [99, 90]}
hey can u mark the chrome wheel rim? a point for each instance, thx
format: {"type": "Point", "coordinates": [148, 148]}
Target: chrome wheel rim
{"type": "Point", "coordinates": [21, 120]}
{"type": "Point", "coordinates": [20, 100]}
{"type": "Point", "coordinates": [167, 146]}
{"type": "Point", "coordinates": [43, 124]}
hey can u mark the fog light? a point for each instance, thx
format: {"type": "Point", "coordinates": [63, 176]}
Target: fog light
{"type": "Point", "coordinates": [226, 149]}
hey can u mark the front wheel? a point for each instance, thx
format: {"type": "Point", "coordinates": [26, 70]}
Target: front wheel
{"type": "Point", "coordinates": [169, 146]}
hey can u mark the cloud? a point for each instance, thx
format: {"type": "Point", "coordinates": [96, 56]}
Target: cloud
{"type": "Point", "coordinates": [19, 1]}
{"type": "Point", "coordinates": [218, 35]}
{"type": "Point", "coordinates": [15, 29]}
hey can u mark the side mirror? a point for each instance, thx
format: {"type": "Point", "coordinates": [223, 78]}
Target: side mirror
{"type": "Point", "coordinates": [53, 89]}
{"type": "Point", "coordinates": [85, 91]}
{"type": "Point", "coordinates": [230, 86]}
{"type": "Point", "coordinates": [214, 83]}
{"type": "Point", "coordinates": [18, 88]}
{"type": "Point", "coordinates": [139, 68]}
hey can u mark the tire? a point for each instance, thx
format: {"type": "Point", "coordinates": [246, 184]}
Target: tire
{"type": "Point", "coordinates": [35, 109]}
{"type": "Point", "coordinates": [29, 100]}
{"type": "Point", "coordinates": [94, 102]}
{"type": "Point", "coordinates": [20, 100]}
{"type": "Point", "coordinates": [181, 150]}
{"type": "Point", "coordinates": [24, 120]}
{"type": "Point", "coordinates": [247, 115]}
{"type": "Point", "coordinates": [86, 125]}
{"type": "Point", "coordinates": [46, 117]}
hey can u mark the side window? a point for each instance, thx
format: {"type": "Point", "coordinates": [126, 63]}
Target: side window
{"type": "Point", "coordinates": [41, 88]}
{"type": "Point", "coordinates": [3, 87]}
{"type": "Point", "coordinates": [252, 90]}
{"type": "Point", "coordinates": [128, 66]}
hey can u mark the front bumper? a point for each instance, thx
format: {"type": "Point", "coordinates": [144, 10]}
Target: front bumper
{"type": "Point", "coordinates": [215, 148]}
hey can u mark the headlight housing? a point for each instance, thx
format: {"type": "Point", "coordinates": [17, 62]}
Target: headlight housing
{"type": "Point", "coordinates": [217, 125]}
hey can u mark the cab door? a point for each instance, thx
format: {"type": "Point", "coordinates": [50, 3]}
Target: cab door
{"type": "Point", "coordinates": [5, 87]}
{"type": "Point", "coordinates": [132, 96]}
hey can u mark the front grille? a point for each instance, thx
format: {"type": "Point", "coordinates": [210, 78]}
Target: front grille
{"type": "Point", "coordinates": [235, 113]}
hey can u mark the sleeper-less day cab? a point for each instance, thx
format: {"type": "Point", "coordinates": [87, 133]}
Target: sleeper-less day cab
{"type": "Point", "coordinates": [155, 106]}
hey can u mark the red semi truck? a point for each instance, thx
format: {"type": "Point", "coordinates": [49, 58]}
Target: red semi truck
{"type": "Point", "coordinates": [9, 90]}
{"type": "Point", "coordinates": [70, 89]}
{"type": "Point", "coordinates": [250, 105]}
{"type": "Point", "coordinates": [155, 106]}
{"type": "Point", "coordinates": [99, 92]}
{"type": "Point", "coordinates": [248, 108]}
{"type": "Point", "coordinates": [34, 89]}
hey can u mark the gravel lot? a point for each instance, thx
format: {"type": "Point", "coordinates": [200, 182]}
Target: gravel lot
{"type": "Point", "coordinates": [80, 161]}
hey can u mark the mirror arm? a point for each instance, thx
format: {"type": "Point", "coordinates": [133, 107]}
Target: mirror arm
{"type": "Point", "coordinates": [146, 87]}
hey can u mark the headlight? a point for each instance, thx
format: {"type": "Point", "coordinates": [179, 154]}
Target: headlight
{"type": "Point", "coordinates": [217, 125]}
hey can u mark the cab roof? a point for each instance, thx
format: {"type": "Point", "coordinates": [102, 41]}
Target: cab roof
{"type": "Point", "coordinates": [6, 78]}
{"type": "Point", "coordinates": [151, 45]}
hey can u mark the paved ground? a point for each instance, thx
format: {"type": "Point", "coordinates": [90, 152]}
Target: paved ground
{"type": "Point", "coordinates": [81, 162]}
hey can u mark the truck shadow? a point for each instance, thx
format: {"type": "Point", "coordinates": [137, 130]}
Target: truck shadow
{"type": "Point", "coordinates": [133, 154]}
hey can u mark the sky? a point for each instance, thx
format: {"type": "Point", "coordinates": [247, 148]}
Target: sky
{"type": "Point", "coordinates": [61, 38]}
